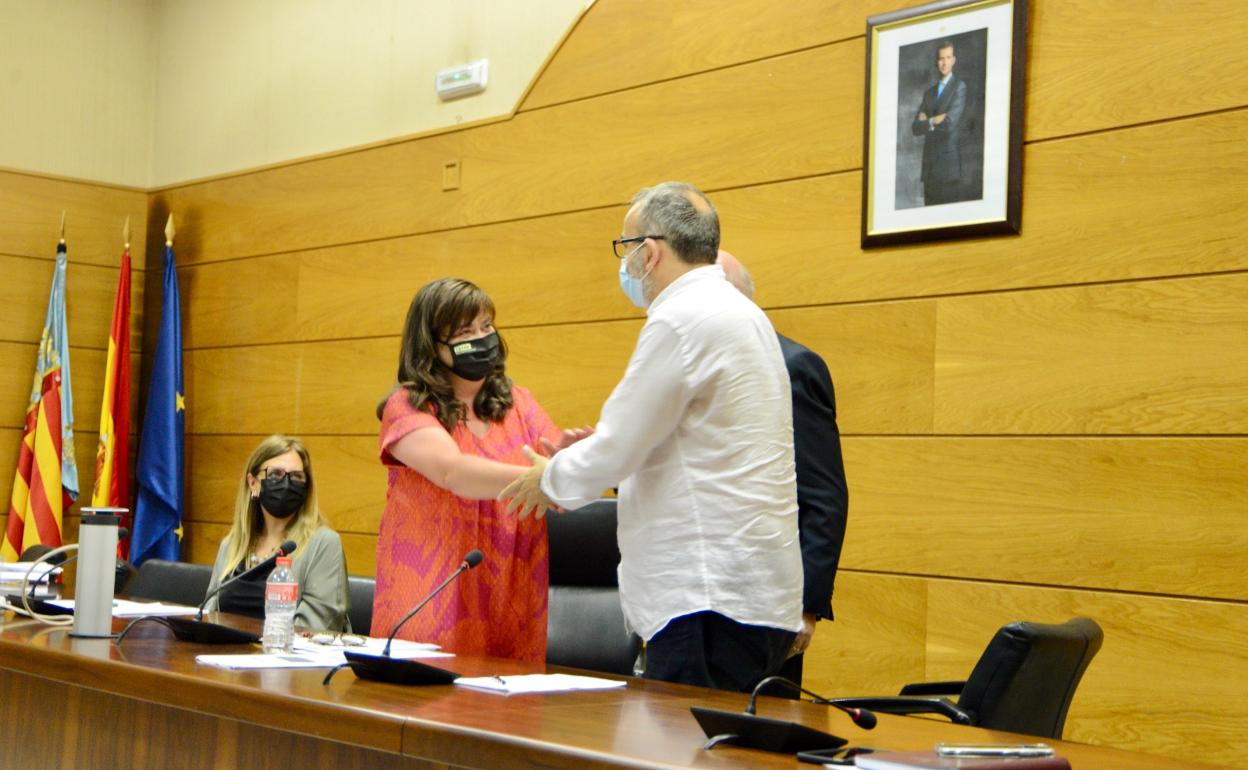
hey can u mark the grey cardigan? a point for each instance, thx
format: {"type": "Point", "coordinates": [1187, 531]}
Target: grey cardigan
{"type": "Point", "coordinates": [321, 569]}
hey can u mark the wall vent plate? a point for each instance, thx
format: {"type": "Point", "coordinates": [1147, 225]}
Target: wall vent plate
{"type": "Point", "coordinates": [464, 80]}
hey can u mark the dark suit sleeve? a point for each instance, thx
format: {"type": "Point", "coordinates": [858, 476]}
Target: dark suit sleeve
{"type": "Point", "coordinates": [920, 127]}
{"type": "Point", "coordinates": [822, 496]}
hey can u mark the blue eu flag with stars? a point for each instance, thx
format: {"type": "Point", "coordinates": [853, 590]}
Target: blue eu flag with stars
{"type": "Point", "coordinates": [160, 474]}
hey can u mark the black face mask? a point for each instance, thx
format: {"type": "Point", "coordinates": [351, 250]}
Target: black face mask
{"type": "Point", "coordinates": [282, 497]}
{"type": "Point", "coordinates": [475, 359]}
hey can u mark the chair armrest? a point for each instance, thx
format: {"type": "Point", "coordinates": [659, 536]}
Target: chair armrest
{"type": "Point", "coordinates": [900, 705]}
{"type": "Point", "coordinates": [933, 688]}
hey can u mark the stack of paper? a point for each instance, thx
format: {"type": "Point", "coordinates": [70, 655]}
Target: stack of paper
{"type": "Point", "coordinates": [40, 586]}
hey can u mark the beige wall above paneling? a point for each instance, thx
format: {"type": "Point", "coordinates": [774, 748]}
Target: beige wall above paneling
{"type": "Point", "coordinates": [1054, 511]}
{"type": "Point", "coordinates": [1166, 356]}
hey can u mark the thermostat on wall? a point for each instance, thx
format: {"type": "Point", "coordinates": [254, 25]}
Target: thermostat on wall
{"type": "Point", "coordinates": [463, 80]}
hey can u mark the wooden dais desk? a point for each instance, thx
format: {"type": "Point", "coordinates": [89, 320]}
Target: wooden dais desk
{"type": "Point", "coordinates": [73, 703]}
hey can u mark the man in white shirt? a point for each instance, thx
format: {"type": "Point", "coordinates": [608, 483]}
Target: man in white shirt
{"type": "Point", "coordinates": [698, 437]}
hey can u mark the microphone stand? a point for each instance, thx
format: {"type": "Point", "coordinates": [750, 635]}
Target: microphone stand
{"type": "Point", "coordinates": [383, 668]}
{"type": "Point", "coordinates": [200, 631]}
{"type": "Point", "coordinates": [752, 731]}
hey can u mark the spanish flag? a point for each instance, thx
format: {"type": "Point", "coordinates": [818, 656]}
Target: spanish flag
{"type": "Point", "coordinates": [112, 458]}
{"type": "Point", "coordinates": [46, 482]}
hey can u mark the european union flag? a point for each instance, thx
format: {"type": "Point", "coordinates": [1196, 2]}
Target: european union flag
{"type": "Point", "coordinates": [160, 477]}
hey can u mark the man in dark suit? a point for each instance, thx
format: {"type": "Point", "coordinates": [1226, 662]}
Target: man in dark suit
{"type": "Point", "coordinates": [822, 497]}
{"type": "Point", "coordinates": [939, 121]}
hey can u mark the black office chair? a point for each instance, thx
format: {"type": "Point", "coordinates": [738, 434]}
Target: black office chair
{"type": "Point", "coordinates": [360, 591]}
{"type": "Point", "coordinates": [179, 582]}
{"type": "Point", "coordinates": [586, 624]}
{"type": "Point", "coordinates": [1023, 683]}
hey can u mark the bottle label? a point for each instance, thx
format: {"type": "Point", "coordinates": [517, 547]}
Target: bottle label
{"type": "Point", "coordinates": [282, 592]}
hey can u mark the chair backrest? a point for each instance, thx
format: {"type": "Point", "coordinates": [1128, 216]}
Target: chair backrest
{"type": "Point", "coordinates": [171, 581]}
{"type": "Point", "coordinates": [1027, 676]}
{"type": "Point", "coordinates": [586, 624]}
{"type": "Point", "coordinates": [360, 591]}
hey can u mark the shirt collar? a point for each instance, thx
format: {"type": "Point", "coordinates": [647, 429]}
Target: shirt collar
{"type": "Point", "coordinates": [696, 275]}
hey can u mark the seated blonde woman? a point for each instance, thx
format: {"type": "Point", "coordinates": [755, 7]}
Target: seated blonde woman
{"type": "Point", "coordinates": [277, 502]}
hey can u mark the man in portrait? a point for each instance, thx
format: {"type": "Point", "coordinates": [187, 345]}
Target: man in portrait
{"type": "Point", "coordinates": [939, 122]}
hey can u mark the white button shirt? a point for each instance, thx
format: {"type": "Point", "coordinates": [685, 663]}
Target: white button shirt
{"type": "Point", "coordinates": [699, 437]}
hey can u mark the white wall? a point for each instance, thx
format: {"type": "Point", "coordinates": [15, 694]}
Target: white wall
{"type": "Point", "coordinates": [155, 92]}
{"type": "Point", "coordinates": [241, 83]}
{"type": "Point", "coordinates": [76, 88]}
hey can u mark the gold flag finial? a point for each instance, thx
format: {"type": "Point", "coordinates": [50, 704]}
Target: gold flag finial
{"type": "Point", "coordinates": [169, 231]}
{"type": "Point", "coordinates": [125, 233]}
{"type": "Point", "coordinates": [62, 225]}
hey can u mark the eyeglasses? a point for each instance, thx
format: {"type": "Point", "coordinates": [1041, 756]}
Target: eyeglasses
{"type": "Point", "coordinates": [277, 474]}
{"type": "Point", "coordinates": [334, 639]}
{"type": "Point", "coordinates": [620, 245]}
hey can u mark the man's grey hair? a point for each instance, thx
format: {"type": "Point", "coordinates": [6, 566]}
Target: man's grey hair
{"type": "Point", "coordinates": [683, 216]}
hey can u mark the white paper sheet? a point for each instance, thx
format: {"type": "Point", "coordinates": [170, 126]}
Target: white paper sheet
{"type": "Point", "coordinates": [536, 683]}
{"type": "Point", "coordinates": [124, 608]}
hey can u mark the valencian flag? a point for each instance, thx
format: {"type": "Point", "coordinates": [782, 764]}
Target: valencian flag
{"type": "Point", "coordinates": [158, 510]}
{"type": "Point", "coordinates": [112, 459]}
{"type": "Point", "coordinates": [46, 482]}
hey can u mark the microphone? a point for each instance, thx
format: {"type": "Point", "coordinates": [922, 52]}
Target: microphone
{"type": "Point", "coordinates": [752, 731]}
{"type": "Point", "coordinates": [203, 632]}
{"type": "Point", "coordinates": [383, 668]}
{"type": "Point", "coordinates": [285, 549]}
{"type": "Point", "coordinates": [864, 718]}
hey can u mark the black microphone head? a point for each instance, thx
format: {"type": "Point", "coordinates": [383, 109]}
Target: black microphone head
{"type": "Point", "coordinates": [473, 558]}
{"type": "Point", "coordinates": [287, 548]}
{"type": "Point", "coordinates": [864, 718]}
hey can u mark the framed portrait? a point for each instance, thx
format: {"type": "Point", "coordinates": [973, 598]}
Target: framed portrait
{"type": "Point", "coordinates": [943, 136]}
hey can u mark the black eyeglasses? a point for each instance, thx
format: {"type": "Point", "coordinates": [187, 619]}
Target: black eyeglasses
{"type": "Point", "coordinates": [277, 474]}
{"type": "Point", "coordinates": [620, 245]}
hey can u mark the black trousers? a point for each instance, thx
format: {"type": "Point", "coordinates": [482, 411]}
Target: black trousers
{"type": "Point", "coordinates": [710, 650]}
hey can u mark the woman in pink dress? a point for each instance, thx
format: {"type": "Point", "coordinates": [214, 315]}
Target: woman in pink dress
{"type": "Point", "coordinates": [452, 436]}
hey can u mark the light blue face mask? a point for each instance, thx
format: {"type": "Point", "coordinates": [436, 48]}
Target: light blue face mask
{"type": "Point", "coordinates": [632, 287]}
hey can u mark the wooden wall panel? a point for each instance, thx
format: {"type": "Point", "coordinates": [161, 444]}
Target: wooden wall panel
{"type": "Point", "coordinates": [1151, 357]}
{"type": "Point", "coordinates": [350, 480]}
{"type": "Point", "coordinates": [745, 113]}
{"type": "Point", "coordinates": [878, 640]}
{"type": "Point", "coordinates": [30, 219]}
{"type": "Point", "coordinates": [1088, 69]}
{"type": "Point", "coordinates": [558, 267]}
{"type": "Point", "coordinates": [880, 359]}
{"type": "Point", "coordinates": [694, 42]}
{"type": "Point", "coordinates": [1141, 690]}
{"type": "Point", "coordinates": [1053, 511]}
{"type": "Point", "coordinates": [90, 290]}
{"type": "Point", "coordinates": [1113, 64]}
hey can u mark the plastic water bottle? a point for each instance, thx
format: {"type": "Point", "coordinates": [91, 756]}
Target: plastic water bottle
{"type": "Point", "coordinates": [281, 596]}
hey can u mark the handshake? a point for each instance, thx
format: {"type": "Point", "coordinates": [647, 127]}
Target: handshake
{"type": "Point", "coordinates": [525, 495]}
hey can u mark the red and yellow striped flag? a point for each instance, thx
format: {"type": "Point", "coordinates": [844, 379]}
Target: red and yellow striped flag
{"type": "Point", "coordinates": [112, 459]}
{"type": "Point", "coordinates": [46, 482]}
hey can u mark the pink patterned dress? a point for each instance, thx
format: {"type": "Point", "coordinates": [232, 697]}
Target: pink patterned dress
{"type": "Point", "coordinates": [497, 609]}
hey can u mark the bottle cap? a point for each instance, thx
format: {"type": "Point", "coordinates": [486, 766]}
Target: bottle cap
{"type": "Point", "coordinates": [283, 561]}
